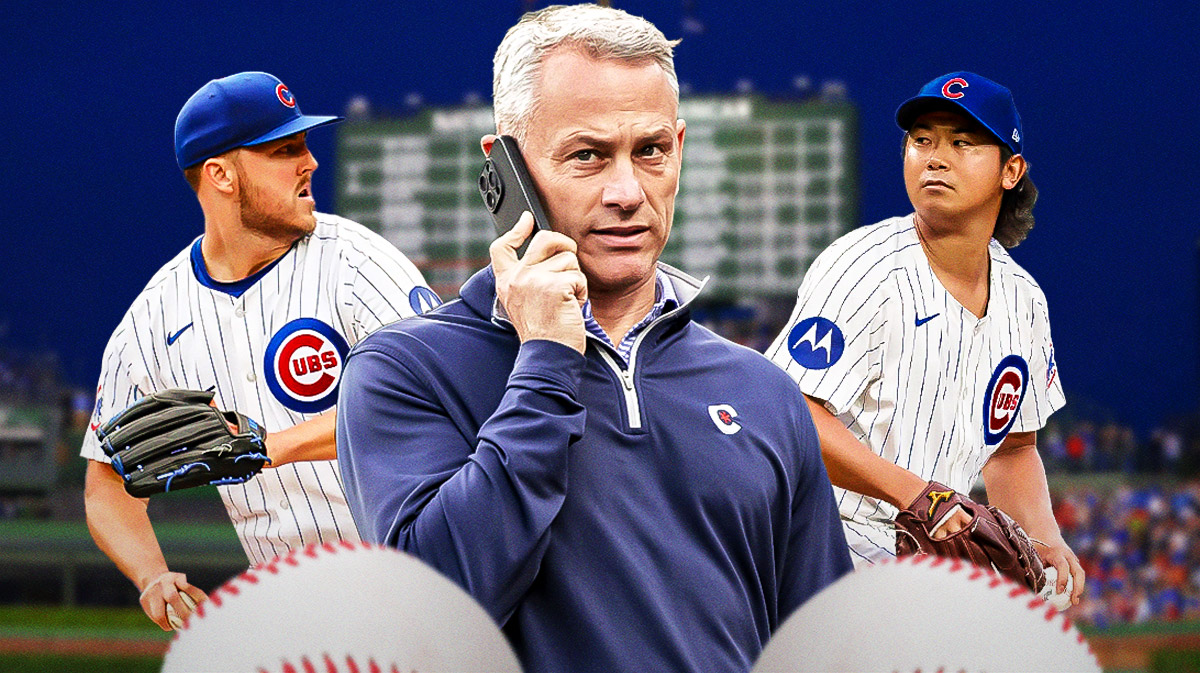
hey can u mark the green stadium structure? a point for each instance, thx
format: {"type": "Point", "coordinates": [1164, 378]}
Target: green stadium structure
{"type": "Point", "coordinates": [766, 185]}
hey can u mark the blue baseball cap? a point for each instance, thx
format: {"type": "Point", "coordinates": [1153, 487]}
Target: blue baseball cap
{"type": "Point", "coordinates": [248, 108]}
{"type": "Point", "coordinates": [978, 97]}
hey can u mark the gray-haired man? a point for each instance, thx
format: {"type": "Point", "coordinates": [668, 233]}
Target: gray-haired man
{"type": "Point", "coordinates": [563, 441]}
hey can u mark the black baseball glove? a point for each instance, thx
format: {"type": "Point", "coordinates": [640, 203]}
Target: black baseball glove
{"type": "Point", "coordinates": [176, 439]}
{"type": "Point", "coordinates": [992, 540]}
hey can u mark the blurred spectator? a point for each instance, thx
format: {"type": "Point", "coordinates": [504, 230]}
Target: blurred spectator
{"type": "Point", "coordinates": [1052, 446]}
{"type": "Point", "coordinates": [1141, 550]}
{"type": "Point", "coordinates": [1107, 440]}
{"type": "Point", "coordinates": [29, 377]}
{"type": "Point", "coordinates": [1171, 447]}
{"type": "Point", "coordinates": [1084, 437]}
{"type": "Point", "coordinates": [1139, 545]}
{"type": "Point", "coordinates": [1080, 447]}
{"type": "Point", "coordinates": [1074, 445]}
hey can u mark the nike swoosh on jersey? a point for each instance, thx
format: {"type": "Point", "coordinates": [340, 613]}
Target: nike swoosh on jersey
{"type": "Point", "coordinates": [922, 321]}
{"type": "Point", "coordinates": [172, 338]}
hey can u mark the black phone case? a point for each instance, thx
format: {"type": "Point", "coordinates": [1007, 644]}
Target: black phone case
{"type": "Point", "coordinates": [507, 189]}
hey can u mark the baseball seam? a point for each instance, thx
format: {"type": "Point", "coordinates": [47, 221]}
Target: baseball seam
{"type": "Point", "coordinates": [995, 581]}
{"type": "Point", "coordinates": [306, 665]}
{"type": "Point", "coordinates": [251, 576]}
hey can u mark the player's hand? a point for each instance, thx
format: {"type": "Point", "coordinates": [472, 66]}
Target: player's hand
{"type": "Point", "coordinates": [956, 521]}
{"type": "Point", "coordinates": [542, 292]}
{"type": "Point", "coordinates": [168, 589]}
{"type": "Point", "coordinates": [1060, 556]}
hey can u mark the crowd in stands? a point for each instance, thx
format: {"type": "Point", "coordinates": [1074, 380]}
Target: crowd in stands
{"type": "Point", "coordinates": [26, 377]}
{"type": "Point", "coordinates": [1138, 537]}
{"type": "Point", "coordinates": [1139, 544]}
{"type": "Point", "coordinates": [1086, 446]}
{"type": "Point", "coordinates": [1140, 547]}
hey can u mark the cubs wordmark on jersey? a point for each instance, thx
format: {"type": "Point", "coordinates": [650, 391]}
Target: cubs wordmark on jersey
{"type": "Point", "coordinates": [916, 377]}
{"type": "Point", "coordinates": [271, 346]}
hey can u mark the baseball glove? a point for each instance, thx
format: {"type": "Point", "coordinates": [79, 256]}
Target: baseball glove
{"type": "Point", "coordinates": [992, 540]}
{"type": "Point", "coordinates": [176, 439]}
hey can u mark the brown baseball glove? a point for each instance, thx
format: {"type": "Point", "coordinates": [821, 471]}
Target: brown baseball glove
{"type": "Point", "coordinates": [992, 540]}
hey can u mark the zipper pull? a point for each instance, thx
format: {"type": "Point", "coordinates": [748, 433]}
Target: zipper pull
{"type": "Point", "coordinates": [627, 379]}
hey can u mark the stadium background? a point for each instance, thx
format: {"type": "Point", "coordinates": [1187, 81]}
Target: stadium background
{"type": "Point", "coordinates": [95, 204]}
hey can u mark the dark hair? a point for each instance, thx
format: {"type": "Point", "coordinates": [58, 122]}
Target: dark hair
{"type": "Point", "coordinates": [192, 175]}
{"type": "Point", "coordinates": [1016, 208]}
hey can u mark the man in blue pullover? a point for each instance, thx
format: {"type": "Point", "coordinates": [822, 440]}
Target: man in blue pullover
{"type": "Point", "coordinates": [620, 488]}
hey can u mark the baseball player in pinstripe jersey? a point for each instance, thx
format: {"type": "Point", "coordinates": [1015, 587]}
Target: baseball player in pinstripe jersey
{"type": "Point", "coordinates": [261, 309]}
{"type": "Point", "coordinates": [923, 348]}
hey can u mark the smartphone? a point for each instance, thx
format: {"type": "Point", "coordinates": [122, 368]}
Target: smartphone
{"type": "Point", "coordinates": [508, 191]}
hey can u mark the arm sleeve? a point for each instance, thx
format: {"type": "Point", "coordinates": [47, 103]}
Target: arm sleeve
{"type": "Point", "coordinates": [478, 509]}
{"type": "Point", "coordinates": [380, 286]}
{"type": "Point", "coordinates": [817, 553]}
{"type": "Point", "coordinates": [831, 345]}
{"type": "Point", "coordinates": [1045, 393]}
{"type": "Point", "coordinates": [123, 380]}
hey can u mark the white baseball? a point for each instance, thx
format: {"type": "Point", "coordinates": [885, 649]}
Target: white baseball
{"type": "Point", "coordinates": [173, 618]}
{"type": "Point", "coordinates": [1059, 601]}
{"type": "Point", "coordinates": [340, 607]}
{"type": "Point", "coordinates": [926, 614]}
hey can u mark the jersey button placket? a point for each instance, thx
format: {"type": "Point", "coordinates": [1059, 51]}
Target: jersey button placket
{"type": "Point", "coordinates": [239, 312]}
{"type": "Point", "coordinates": [249, 392]}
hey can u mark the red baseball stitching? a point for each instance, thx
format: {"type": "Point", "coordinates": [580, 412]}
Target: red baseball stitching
{"type": "Point", "coordinates": [996, 580]}
{"type": "Point", "coordinates": [251, 576]}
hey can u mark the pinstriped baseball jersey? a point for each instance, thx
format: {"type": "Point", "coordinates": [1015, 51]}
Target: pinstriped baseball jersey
{"type": "Point", "coordinates": [271, 346]}
{"type": "Point", "coordinates": [915, 376]}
